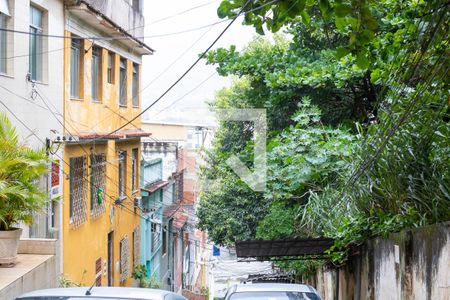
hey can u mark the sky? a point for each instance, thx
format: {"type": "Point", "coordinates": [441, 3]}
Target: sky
{"type": "Point", "coordinates": [175, 53]}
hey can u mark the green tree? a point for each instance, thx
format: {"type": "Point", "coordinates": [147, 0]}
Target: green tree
{"type": "Point", "coordinates": [20, 167]}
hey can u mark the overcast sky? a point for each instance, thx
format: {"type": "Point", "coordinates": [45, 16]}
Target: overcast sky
{"type": "Point", "coordinates": [169, 48]}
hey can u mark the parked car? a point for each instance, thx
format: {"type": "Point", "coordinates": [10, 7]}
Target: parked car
{"type": "Point", "coordinates": [272, 291]}
{"type": "Point", "coordinates": [105, 293]}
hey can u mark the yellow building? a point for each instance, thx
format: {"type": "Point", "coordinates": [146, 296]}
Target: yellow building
{"type": "Point", "coordinates": [100, 222]}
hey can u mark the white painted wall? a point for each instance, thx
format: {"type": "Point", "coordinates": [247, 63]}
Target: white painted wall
{"type": "Point", "coordinates": [34, 112]}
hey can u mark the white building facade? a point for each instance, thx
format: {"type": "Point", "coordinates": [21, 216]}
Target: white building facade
{"type": "Point", "coordinates": [31, 88]}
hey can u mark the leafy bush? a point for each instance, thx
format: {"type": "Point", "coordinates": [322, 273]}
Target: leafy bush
{"type": "Point", "coordinates": [20, 168]}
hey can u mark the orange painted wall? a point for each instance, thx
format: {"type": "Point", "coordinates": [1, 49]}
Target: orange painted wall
{"type": "Point", "coordinates": [83, 245]}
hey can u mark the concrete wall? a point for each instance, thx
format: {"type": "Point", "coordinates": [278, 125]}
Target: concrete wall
{"type": "Point", "coordinates": [168, 152]}
{"type": "Point", "coordinates": [80, 262]}
{"type": "Point", "coordinates": [412, 264]}
{"type": "Point", "coordinates": [36, 268]}
{"type": "Point", "coordinates": [123, 14]}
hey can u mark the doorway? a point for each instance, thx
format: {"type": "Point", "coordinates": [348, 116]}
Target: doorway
{"type": "Point", "coordinates": [111, 258]}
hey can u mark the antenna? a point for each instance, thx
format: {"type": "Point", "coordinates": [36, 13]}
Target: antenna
{"type": "Point", "coordinates": [88, 292]}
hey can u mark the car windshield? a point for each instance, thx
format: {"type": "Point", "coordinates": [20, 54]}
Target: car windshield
{"type": "Point", "coordinates": [274, 296]}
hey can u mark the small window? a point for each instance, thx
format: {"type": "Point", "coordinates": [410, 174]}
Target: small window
{"type": "Point", "coordinates": [36, 44]}
{"type": "Point", "coordinates": [76, 55]}
{"type": "Point", "coordinates": [123, 82]}
{"type": "Point", "coordinates": [164, 241]}
{"type": "Point", "coordinates": [135, 85]}
{"type": "Point", "coordinates": [111, 64]}
{"type": "Point", "coordinates": [135, 169]}
{"type": "Point", "coordinates": [96, 72]}
{"type": "Point", "coordinates": [3, 42]}
{"type": "Point", "coordinates": [122, 174]}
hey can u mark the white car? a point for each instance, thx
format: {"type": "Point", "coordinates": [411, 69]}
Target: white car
{"type": "Point", "coordinates": [272, 291]}
{"type": "Point", "coordinates": [100, 293]}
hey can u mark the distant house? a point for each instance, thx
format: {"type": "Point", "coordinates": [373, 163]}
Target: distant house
{"type": "Point", "coordinates": [162, 190]}
{"type": "Point", "coordinates": [181, 142]}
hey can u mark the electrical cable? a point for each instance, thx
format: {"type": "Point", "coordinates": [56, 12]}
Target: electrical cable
{"type": "Point", "coordinates": [110, 38]}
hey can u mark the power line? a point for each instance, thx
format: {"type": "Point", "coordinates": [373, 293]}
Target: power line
{"type": "Point", "coordinates": [107, 177]}
{"type": "Point", "coordinates": [186, 94]}
{"type": "Point", "coordinates": [183, 75]}
{"type": "Point", "coordinates": [180, 13]}
{"type": "Point", "coordinates": [111, 38]}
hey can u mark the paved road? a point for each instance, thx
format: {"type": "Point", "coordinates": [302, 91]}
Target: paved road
{"type": "Point", "coordinates": [226, 271]}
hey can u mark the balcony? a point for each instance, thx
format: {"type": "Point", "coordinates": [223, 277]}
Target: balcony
{"type": "Point", "coordinates": [116, 18]}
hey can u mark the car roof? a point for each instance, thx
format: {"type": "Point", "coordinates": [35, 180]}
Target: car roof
{"type": "Point", "coordinates": [114, 292]}
{"type": "Point", "coordinates": [273, 287]}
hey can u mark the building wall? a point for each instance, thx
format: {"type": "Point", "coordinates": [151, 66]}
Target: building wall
{"type": "Point", "coordinates": [412, 264]}
{"type": "Point", "coordinates": [132, 21]}
{"type": "Point", "coordinates": [79, 262]}
{"type": "Point", "coordinates": [84, 115]}
{"type": "Point", "coordinates": [167, 152]}
{"type": "Point", "coordinates": [165, 132]}
{"type": "Point", "coordinates": [34, 112]}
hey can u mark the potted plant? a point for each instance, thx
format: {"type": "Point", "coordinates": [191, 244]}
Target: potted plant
{"type": "Point", "coordinates": [20, 168]}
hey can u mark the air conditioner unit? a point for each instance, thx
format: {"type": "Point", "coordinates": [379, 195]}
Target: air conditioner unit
{"type": "Point", "coordinates": [137, 202]}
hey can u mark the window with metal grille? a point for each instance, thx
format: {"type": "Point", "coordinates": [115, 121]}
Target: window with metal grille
{"type": "Point", "coordinates": [179, 188]}
{"type": "Point", "coordinates": [122, 173]}
{"type": "Point", "coordinates": [111, 64]}
{"type": "Point", "coordinates": [124, 259]}
{"type": "Point", "coordinates": [136, 246]}
{"type": "Point", "coordinates": [76, 55]}
{"type": "Point", "coordinates": [156, 235]}
{"type": "Point", "coordinates": [36, 43]}
{"type": "Point", "coordinates": [96, 72]}
{"type": "Point", "coordinates": [98, 184]}
{"type": "Point", "coordinates": [123, 83]}
{"type": "Point", "coordinates": [78, 190]}
{"type": "Point", "coordinates": [135, 169]}
{"type": "Point", "coordinates": [135, 85]}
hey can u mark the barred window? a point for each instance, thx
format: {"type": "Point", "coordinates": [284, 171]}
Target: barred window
{"type": "Point", "coordinates": [136, 246]}
{"type": "Point", "coordinates": [124, 259]}
{"type": "Point", "coordinates": [78, 190]}
{"type": "Point", "coordinates": [98, 184]}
